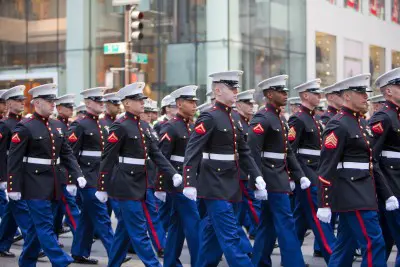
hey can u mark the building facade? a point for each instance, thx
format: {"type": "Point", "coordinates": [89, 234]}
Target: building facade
{"type": "Point", "coordinates": [62, 41]}
{"type": "Point", "coordinates": [349, 37]}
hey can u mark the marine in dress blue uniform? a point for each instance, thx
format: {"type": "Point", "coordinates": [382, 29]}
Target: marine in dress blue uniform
{"type": "Point", "coordinates": [38, 144]}
{"type": "Point", "coordinates": [154, 224]}
{"type": "Point", "coordinates": [268, 141]}
{"type": "Point", "coordinates": [347, 183]}
{"type": "Point", "coordinates": [250, 206]}
{"type": "Point", "coordinates": [112, 109]}
{"type": "Point", "coordinates": [68, 207]}
{"type": "Point", "coordinates": [87, 138]}
{"type": "Point", "coordinates": [334, 100]}
{"type": "Point", "coordinates": [185, 219]}
{"type": "Point", "coordinates": [16, 213]}
{"type": "Point", "coordinates": [213, 151]}
{"type": "Point", "coordinates": [385, 126]}
{"type": "Point", "coordinates": [123, 176]}
{"type": "Point", "coordinates": [168, 111]}
{"type": "Point", "coordinates": [305, 139]}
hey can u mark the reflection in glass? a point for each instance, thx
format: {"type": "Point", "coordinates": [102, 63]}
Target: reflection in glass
{"type": "Point", "coordinates": [395, 11]}
{"type": "Point", "coordinates": [376, 62]}
{"type": "Point", "coordinates": [395, 59]}
{"type": "Point", "coordinates": [325, 58]}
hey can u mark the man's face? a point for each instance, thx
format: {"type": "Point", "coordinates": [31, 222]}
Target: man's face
{"type": "Point", "coordinates": [146, 116]}
{"type": "Point", "coordinates": [394, 91]}
{"type": "Point", "coordinates": [278, 98]}
{"type": "Point", "coordinates": [337, 99]}
{"type": "Point", "coordinates": [46, 107]}
{"type": "Point", "coordinates": [245, 108]}
{"type": "Point", "coordinates": [377, 106]}
{"type": "Point", "coordinates": [294, 108]}
{"type": "Point", "coordinates": [65, 112]}
{"type": "Point", "coordinates": [16, 106]}
{"type": "Point", "coordinates": [154, 116]}
{"type": "Point", "coordinates": [187, 107]}
{"type": "Point", "coordinates": [358, 100]}
{"type": "Point", "coordinates": [95, 106]}
{"type": "Point", "coordinates": [136, 106]}
{"type": "Point", "coordinates": [312, 98]}
{"type": "Point", "coordinates": [226, 94]}
{"type": "Point", "coordinates": [112, 109]}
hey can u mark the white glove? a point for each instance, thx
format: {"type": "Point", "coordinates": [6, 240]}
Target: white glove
{"type": "Point", "coordinates": [177, 179]}
{"type": "Point", "coordinates": [392, 203]}
{"type": "Point", "coordinates": [292, 185]}
{"type": "Point", "coordinates": [81, 182]}
{"type": "Point", "coordinates": [261, 194]}
{"type": "Point", "coordinates": [260, 184]}
{"type": "Point", "coordinates": [304, 183]}
{"type": "Point", "coordinates": [71, 188]}
{"type": "Point", "coordinates": [161, 195]}
{"type": "Point", "coordinates": [324, 215]}
{"type": "Point", "coordinates": [101, 196]}
{"type": "Point", "coordinates": [14, 195]}
{"type": "Point", "coordinates": [3, 185]}
{"type": "Point", "coordinates": [190, 193]}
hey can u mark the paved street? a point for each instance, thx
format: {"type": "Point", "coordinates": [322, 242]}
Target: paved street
{"type": "Point", "coordinates": [99, 253]}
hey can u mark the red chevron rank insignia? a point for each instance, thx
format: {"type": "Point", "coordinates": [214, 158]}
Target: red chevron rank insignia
{"type": "Point", "coordinates": [377, 128]}
{"type": "Point", "coordinates": [258, 129]}
{"type": "Point", "coordinates": [112, 138]}
{"type": "Point", "coordinates": [72, 138]}
{"type": "Point", "coordinates": [200, 129]}
{"type": "Point", "coordinates": [165, 136]}
{"type": "Point", "coordinates": [331, 141]}
{"type": "Point", "coordinates": [15, 139]}
{"type": "Point", "coordinates": [292, 134]}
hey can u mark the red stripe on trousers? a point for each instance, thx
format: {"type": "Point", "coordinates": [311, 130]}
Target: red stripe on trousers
{"type": "Point", "coordinates": [317, 222]}
{"type": "Point", "coordinates": [250, 202]}
{"type": "Point", "coordinates": [68, 211]}
{"type": "Point", "coordinates": [369, 243]}
{"type": "Point", "coordinates": [150, 222]}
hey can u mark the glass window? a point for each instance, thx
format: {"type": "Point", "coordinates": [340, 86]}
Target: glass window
{"type": "Point", "coordinates": [395, 59]}
{"type": "Point", "coordinates": [376, 62]}
{"type": "Point", "coordinates": [352, 58]}
{"type": "Point", "coordinates": [325, 58]}
{"type": "Point", "coordinates": [395, 11]}
{"type": "Point", "coordinates": [353, 4]}
{"type": "Point", "coordinates": [377, 8]}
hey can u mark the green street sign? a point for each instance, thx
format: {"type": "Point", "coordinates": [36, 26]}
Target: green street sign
{"type": "Point", "coordinates": [114, 48]}
{"type": "Point", "coordinates": [140, 58]}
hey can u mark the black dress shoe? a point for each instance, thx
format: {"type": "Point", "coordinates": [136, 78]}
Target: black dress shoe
{"type": "Point", "coordinates": [41, 254]}
{"type": "Point", "coordinates": [7, 254]}
{"type": "Point", "coordinates": [131, 250]}
{"type": "Point", "coordinates": [17, 238]}
{"type": "Point", "coordinates": [84, 260]}
{"type": "Point", "coordinates": [317, 254]}
{"type": "Point", "coordinates": [160, 253]}
{"type": "Point", "coordinates": [127, 259]}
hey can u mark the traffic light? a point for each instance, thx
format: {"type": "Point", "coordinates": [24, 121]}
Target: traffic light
{"type": "Point", "coordinates": [135, 24]}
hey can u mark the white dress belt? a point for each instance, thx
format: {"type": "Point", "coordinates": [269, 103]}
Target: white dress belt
{"type": "Point", "coordinates": [177, 158]}
{"type": "Point", "coordinates": [134, 161]}
{"type": "Point", "coordinates": [41, 161]}
{"type": "Point", "coordinates": [90, 153]}
{"type": "Point", "coordinates": [223, 157]}
{"type": "Point", "coordinates": [390, 154]}
{"type": "Point", "coordinates": [273, 155]}
{"type": "Point", "coordinates": [312, 152]}
{"type": "Point", "coordinates": [353, 165]}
